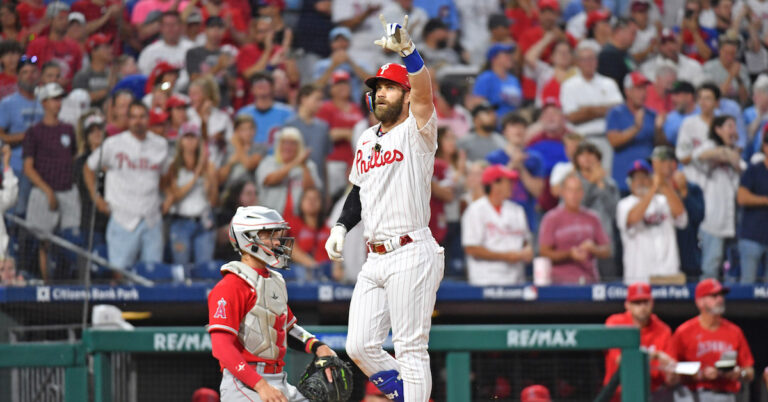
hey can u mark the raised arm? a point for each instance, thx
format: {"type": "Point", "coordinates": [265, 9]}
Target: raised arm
{"type": "Point", "coordinates": [397, 39]}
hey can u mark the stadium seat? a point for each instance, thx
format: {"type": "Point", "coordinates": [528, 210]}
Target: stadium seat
{"type": "Point", "coordinates": [207, 270]}
{"type": "Point", "coordinates": [158, 271]}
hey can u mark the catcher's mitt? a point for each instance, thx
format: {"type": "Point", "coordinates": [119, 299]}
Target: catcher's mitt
{"type": "Point", "coordinates": [314, 384]}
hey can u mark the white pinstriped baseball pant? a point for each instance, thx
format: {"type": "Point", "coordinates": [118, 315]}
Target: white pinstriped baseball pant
{"type": "Point", "coordinates": [397, 290]}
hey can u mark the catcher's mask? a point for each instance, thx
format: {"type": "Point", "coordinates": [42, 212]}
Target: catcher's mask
{"type": "Point", "coordinates": [261, 232]}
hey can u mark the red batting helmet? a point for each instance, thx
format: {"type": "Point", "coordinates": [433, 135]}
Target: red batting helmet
{"type": "Point", "coordinates": [392, 72]}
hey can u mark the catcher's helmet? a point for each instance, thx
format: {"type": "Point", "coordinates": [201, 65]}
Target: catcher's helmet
{"type": "Point", "coordinates": [244, 235]}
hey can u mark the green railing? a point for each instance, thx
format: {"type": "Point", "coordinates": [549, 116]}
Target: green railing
{"type": "Point", "coordinates": [457, 341]}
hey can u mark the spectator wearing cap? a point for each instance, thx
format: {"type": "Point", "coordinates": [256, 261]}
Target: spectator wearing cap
{"type": "Point", "coordinates": [721, 165]}
{"type": "Point", "coordinates": [577, 25]}
{"type": "Point", "coordinates": [214, 60]}
{"type": "Point", "coordinates": [587, 97]}
{"type": "Point", "coordinates": [528, 164]}
{"type": "Point", "coordinates": [49, 151]}
{"type": "Point", "coordinates": [192, 194]}
{"type": "Point", "coordinates": [670, 53]}
{"type": "Point", "coordinates": [474, 35]}
{"type": "Point", "coordinates": [176, 108]}
{"type": "Point", "coordinates": [496, 84]}
{"type": "Point", "coordinates": [614, 60]}
{"type": "Point", "coordinates": [572, 237]}
{"type": "Point", "coordinates": [694, 131]}
{"type": "Point", "coordinates": [314, 130]}
{"type": "Point", "coordinates": [718, 344]}
{"type": "Point", "coordinates": [647, 219]}
{"type": "Point", "coordinates": [483, 139]}
{"type": "Point", "coordinates": [535, 393]}
{"type": "Point", "coordinates": [170, 48]}
{"type": "Point", "coordinates": [283, 176]}
{"type": "Point", "coordinates": [600, 196]}
{"type": "Point", "coordinates": [659, 97]}
{"type": "Point", "coordinates": [133, 161]}
{"type": "Point", "coordinates": [56, 46]}
{"type": "Point", "coordinates": [143, 8]}
{"type": "Point", "coordinates": [697, 33]}
{"type": "Point", "coordinates": [90, 135]}
{"type": "Point", "coordinates": [268, 113]}
{"type": "Point", "coordinates": [341, 114]}
{"type": "Point", "coordinates": [158, 122]}
{"type": "Point", "coordinates": [129, 78]}
{"type": "Point", "coordinates": [436, 50]}
{"type": "Point", "coordinates": [727, 72]}
{"type": "Point", "coordinates": [631, 128]}
{"type": "Point", "coordinates": [664, 162]}
{"type": "Point", "coordinates": [599, 27]}
{"type": "Point", "coordinates": [10, 53]}
{"type": "Point", "coordinates": [97, 78]}
{"type": "Point", "coordinates": [683, 97]}
{"type": "Point", "coordinates": [646, 39]}
{"type": "Point", "coordinates": [752, 197]}
{"type": "Point", "coordinates": [193, 27]}
{"type": "Point", "coordinates": [18, 112]}
{"type": "Point", "coordinates": [76, 29]}
{"type": "Point", "coordinates": [494, 233]}
{"type": "Point", "coordinates": [655, 336]}
{"type": "Point", "coordinates": [358, 69]}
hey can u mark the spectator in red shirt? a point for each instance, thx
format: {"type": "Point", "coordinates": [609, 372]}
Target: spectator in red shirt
{"type": "Point", "coordinates": [522, 15]}
{"type": "Point", "coordinates": [311, 231]}
{"type": "Point", "coordinates": [31, 12]}
{"type": "Point", "coordinates": [261, 53]}
{"type": "Point", "coordinates": [341, 114]}
{"type": "Point", "coordinates": [659, 94]}
{"type": "Point", "coordinates": [56, 46]}
{"type": "Point", "coordinates": [10, 24]}
{"type": "Point", "coordinates": [101, 16]}
{"type": "Point", "coordinates": [720, 346]}
{"type": "Point", "coordinates": [548, 30]}
{"type": "Point", "coordinates": [654, 338]}
{"type": "Point", "coordinates": [10, 53]}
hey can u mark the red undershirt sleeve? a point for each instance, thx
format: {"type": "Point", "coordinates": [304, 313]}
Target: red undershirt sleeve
{"type": "Point", "coordinates": [224, 349]}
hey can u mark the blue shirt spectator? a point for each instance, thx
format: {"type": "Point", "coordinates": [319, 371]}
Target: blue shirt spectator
{"type": "Point", "coordinates": [688, 238]}
{"type": "Point", "coordinates": [501, 89]}
{"type": "Point", "coordinates": [534, 164]}
{"type": "Point", "coordinates": [268, 114]}
{"type": "Point", "coordinates": [640, 146]}
{"type": "Point", "coordinates": [17, 114]}
{"type": "Point", "coordinates": [442, 9]}
{"type": "Point", "coordinates": [753, 198]}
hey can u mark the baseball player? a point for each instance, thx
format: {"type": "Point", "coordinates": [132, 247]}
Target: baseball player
{"type": "Point", "coordinates": [391, 175]}
{"type": "Point", "coordinates": [720, 346]}
{"type": "Point", "coordinates": [249, 319]}
{"type": "Point", "coordinates": [654, 337]}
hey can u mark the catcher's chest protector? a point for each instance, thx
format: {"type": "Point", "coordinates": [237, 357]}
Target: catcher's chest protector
{"type": "Point", "coordinates": [265, 324]}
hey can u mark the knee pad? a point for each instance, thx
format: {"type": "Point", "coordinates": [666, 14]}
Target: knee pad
{"type": "Point", "coordinates": [390, 383]}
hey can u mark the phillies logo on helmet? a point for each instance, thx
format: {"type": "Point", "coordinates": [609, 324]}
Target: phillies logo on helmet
{"type": "Point", "coordinates": [394, 72]}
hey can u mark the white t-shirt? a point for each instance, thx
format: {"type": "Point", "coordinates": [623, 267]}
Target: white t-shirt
{"type": "Point", "coordinates": [643, 39]}
{"type": "Point", "coordinates": [474, 27]}
{"type": "Point", "coordinates": [688, 69]}
{"type": "Point", "coordinates": [395, 181]}
{"type": "Point", "coordinates": [483, 226]}
{"type": "Point", "coordinates": [218, 122]}
{"type": "Point", "coordinates": [367, 32]}
{"type": "Point", "coordinates": [650, 246]}
{"type": "Point", "coordinates": [693, 133]}
{"type": "Point", "coordinates": [172, 54]}
{"type": "Point", "coordinates": [577, 92]}
{"type": "Point", "coordinates": [559, 173]}
{"type": "Point", "coordinates": [720, 183]}
{"type": "Point", "coordinates": [577, 25]}
{"type": "Point", "coordinates": [132, 185]}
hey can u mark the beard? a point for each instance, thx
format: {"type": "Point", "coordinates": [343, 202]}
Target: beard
{"type": "Point", "coordinates": [26, 86]}
{"type": "Point", "coordinates": [389, 112]}
{"type": "Point", "coordinates": [717, 310]}
{"type": "Point", "coordinates": [488, 128]}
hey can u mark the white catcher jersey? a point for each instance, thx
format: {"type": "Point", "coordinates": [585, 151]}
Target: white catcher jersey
{"type": "Point", "coordinates": [394, 177]}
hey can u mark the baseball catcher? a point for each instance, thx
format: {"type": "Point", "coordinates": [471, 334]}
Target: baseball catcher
{"type": "Point", "coordinates": [249, 319]}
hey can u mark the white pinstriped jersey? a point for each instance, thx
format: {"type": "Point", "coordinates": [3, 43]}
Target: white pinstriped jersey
{"type": "Point", "coordinates": [395, 180]}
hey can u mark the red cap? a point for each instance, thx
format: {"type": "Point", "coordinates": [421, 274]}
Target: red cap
{"type": "Point", "coordinates": [339, 76]}
{"type": "Point", "coordinates": [596, 16]}
{"type": "Point", "coordinates": [535, 393]}
{"type": "Point", "coordinates": [175, 101]}
{"type": "Point", "coordinates": [157, 72]}
{"type": "Point", "coordinates": [635, 79]}
{"type": "Point", "coordinates": [205, 395]}
{"type": "Point", "coordinates": [709, 287]}
{"type": "Point", "coordinates": [550, 4]}
{"type": "Point", "coordinates": [639, 5]}
{"type": "Point", "coordinates": [157, 116]}
{"type": "Point", "coordinates": [370, 389]}
{"type": "Point", "coordinates": [97, 40]}
{"type": "Point", "coordinates": [393, 72]}
{"type": "Point", "coordinates": [668, 35]}
{"type": "Point", "coordinates": [551, 101]}
{"type": "Point", "coordinates": [639, 291]}
{"type": "Point", "coordinates": [496, 172]}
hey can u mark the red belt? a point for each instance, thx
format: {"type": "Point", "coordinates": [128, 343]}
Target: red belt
{"type": "Point", "coordinates": [381, 248]}
{"type": "Point", "coordinates": [269, 368]}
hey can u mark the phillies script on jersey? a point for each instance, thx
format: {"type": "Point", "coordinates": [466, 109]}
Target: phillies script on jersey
{"type": "Point", "coordinates": [377, 159]}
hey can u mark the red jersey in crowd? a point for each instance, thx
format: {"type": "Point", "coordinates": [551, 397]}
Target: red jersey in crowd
{"type": "Point", "coordinates": [229, 301]}
{"type": "Point", "coordinates": [437, 222]}
{"type": "Point", "coordinates": [93, 11]}
{"type": "Point", "coordinates": [65, 51]}
{"type": "Point", "coordinates": [30, 14]}
{"type": "Point", "coordinates": [310, 240]}
{"type": "Point", "coordinates": [653, 337]}
{"type": "Point", "coordinates": [691, 342]}
{"type": "Point", "coordinates": [337, 118]}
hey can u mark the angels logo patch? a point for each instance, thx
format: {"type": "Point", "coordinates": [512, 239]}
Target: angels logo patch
{"type": "Point", "coordinates": [221, 311]}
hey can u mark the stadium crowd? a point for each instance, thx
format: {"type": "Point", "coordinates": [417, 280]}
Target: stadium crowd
{"type": "Point", "coordinates": [607, 140]}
